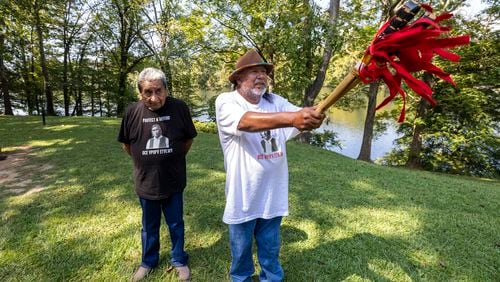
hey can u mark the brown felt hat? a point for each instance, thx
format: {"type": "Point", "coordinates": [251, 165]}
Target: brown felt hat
{"type": "Point", "coordinates": [250, 59]}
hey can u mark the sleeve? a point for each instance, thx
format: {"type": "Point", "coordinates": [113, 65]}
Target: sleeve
{"type": "Point", "coordinates": [189, 128]}
{"type": "Point", "coordinates": [124, 134]}
{"type": "Point", "coordinates": [228, 114]}
{"type": "Point", "coordinates": [286, 106]}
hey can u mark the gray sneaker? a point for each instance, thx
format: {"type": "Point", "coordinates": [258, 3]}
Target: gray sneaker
{"type": "Point", "coordinates": [183, 273]}
{"type": "Point", "coordinates": [141, 273]}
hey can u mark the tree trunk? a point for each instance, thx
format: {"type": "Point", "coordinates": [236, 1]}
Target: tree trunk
{"type": "Point", "coordinates": [66, 80]}
{"type": "Point", "coordinates": [120, 103]}
{"type": "Point", "coordinates": [43, 63]}
{"type": "Point", "coordinates": [67, 42]}
{"type": "Point", "coordinates": [79, 108]}
{"type": "Point", "coordinates": [416, 140]}
{"type": "Point", "coordinates": [126, 35]}
{"type": "Point", "coordinates": [92, 95]}
{"type": "Point", "coordinates": [167, 69]}
{"type": "Point", "coordinates": [27, 78]}
{"type": "Point", "coordinates": [81, 82]}
{"type": "Point", "coordinates": [109, 107]}
{"type": "Point", "coordinates": [75, 108]}
{"type": "Point", "coordinates": [100, 105]}
{"type": "Point", "coordinates": [307, 52]}
{"type": "Point", "coordinates": [38, 103]}
{"type": "Point", "coordinates": [414, 160]}
{"type": "Point", "coordinates": [4, 80]}
{"type": "Point", "coordinates": [366, 145]}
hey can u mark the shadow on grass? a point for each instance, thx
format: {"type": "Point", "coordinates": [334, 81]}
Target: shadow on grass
{"type": "Point", "coordinates": [85, 223]}
{"type": "Point", "coordinates": [355, 257]}
{"type": "Point", "coordinates": [419, 215]}
{"type": "Point", "coordinates": [60, 231]}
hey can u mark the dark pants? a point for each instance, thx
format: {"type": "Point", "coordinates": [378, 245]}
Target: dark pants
{"type": "Point", "coordinates": [172, 209]}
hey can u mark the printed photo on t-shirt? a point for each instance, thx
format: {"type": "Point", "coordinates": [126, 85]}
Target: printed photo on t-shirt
{"type": "Point", "coordinates": [268, 142]}
{"type": "Point", "coordinates": [157, 141]}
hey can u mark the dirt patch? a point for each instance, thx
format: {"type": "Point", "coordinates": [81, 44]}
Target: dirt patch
{"type": "Point", "coordinates": [16, 172]}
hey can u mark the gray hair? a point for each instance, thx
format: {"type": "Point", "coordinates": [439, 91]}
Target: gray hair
{"type": "Point", "coordinates": [151, 74]}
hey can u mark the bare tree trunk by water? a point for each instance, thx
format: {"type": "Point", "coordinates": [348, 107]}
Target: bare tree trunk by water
{"type": "Point", "coordinates": [416, 142]}
{"type": "Point", "coordinates": [366, 145]}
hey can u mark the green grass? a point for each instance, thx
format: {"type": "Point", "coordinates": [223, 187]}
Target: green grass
{"type": "Point", "coordinates": [349, 220]}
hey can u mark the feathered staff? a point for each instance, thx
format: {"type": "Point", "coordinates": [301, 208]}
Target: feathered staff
{"type": "Point", "coordinates": [400, 49]}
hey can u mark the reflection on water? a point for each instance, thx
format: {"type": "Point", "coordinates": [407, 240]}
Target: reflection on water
{"type": "Point", "coordinates": [349, 129]}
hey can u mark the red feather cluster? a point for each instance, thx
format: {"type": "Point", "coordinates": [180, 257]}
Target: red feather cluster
{"type": "Point", "coordinates": [410, 50]}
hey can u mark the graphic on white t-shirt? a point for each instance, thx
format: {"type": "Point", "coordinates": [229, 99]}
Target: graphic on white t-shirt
{"type": "Point", "coordinates": [268, 142]}
{"type": "Point", "coordinates": [158, 141]}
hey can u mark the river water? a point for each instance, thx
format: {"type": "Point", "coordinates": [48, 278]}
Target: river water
{"type": "Point", "coordinates": [349, 127]}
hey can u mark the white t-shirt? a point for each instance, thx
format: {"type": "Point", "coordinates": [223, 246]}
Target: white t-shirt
{"type": "Point", "coordinates": [255, 162]}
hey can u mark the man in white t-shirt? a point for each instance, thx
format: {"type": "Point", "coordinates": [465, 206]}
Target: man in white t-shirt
{"type": "Point", "coordinates": [253, 129]}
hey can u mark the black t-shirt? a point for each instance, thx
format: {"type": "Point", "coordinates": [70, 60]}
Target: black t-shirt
{"type": "Point", "coordinates": [156, 141]}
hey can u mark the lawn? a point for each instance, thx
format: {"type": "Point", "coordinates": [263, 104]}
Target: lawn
{"type": "Point", "coordinates": [68, 212]}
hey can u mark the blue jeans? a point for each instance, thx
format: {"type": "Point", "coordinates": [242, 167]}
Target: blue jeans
{"type": "Point", "coordinates": [267, 237]}
{"type": "Point", "coordinates": [172, 209]}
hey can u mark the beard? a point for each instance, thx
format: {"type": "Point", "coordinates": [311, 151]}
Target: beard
{"type": "Point", "coordinates": [256, 92]}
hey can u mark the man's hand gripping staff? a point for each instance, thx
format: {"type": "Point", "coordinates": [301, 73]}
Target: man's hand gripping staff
{"type": "Point", "coordinates": [404, 48]}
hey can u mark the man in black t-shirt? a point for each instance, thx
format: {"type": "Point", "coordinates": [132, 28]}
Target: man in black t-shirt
{"type": "Point", "coordinates": [158, 132]}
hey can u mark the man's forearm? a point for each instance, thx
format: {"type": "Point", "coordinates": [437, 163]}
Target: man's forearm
{"type": "Point", "coordinates": [254, 121]}
{"type": "Point", "coordinates": [187, 145]}
{"type": "Point", "coordinates": [126, 148]}
{"type": "Point", "coordinates": [304, 119]}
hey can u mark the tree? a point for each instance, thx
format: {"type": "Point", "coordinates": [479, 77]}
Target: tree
{"type": "Point", "coordinates": [158, 36]}
{"type": "Point", "coordinates": [5, 84]}
{"type": "Point", "coordinates": [366, 143]}
{"type": "Point", "coordinates": [4, 81]}
{"type": "Point", "coordinates": [120, 25]}
{"type": "Point", "coordinates": [415, 147]}
{"type": "Point", "coordinates": [388, 9]}
{"type": "Point", "coordinates": [27, 69]}
{"type": "Point", "coordinates": [314, 88]}
{"type": "Point", "coordinates": [18, 35]}
{"type": "Point", "coordinates": [73, 21]}
{"type": "Point", "coordinates": [176, 36]}
{"type": "Point", "coordinates": [39, 22]}
{"type": "Point", "coordinates": [460, 134]}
